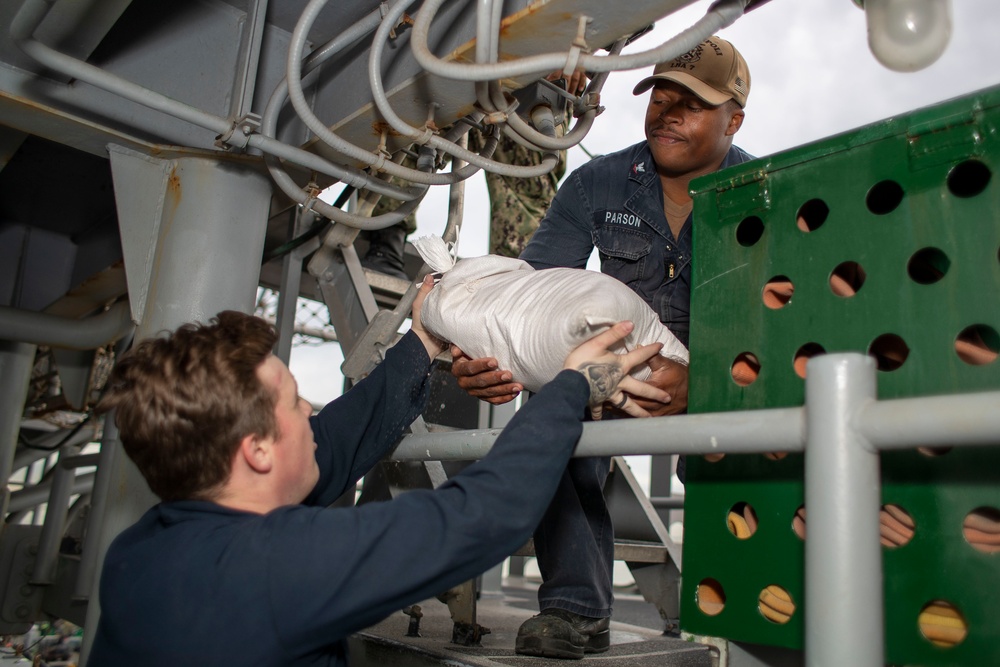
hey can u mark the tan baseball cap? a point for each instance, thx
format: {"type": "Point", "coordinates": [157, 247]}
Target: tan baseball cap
{"type": "Point", "coordinates": [714, 71]}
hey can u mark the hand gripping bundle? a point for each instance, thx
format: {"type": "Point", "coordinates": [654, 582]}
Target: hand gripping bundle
{"type": "Point", "coordinates": [528, 320]}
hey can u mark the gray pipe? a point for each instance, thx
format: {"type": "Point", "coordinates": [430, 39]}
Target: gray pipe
{"type": "Point", "coordinates": [757, 431]}
{"type": "Point", "coordinates": [48, 444]}
{"type": "Point", "coordinates": [55, 331]}
{"type": "Point", "coordinates": [425, 136]}
{"type": "Point", "coordinates": [719, 15]}
{"type": "Point", "coordinates": [34, 496]}
{"type": "Point", "coordinates": [30, 16]}
{"type": "Point", "coordinates": [843, 593]}
{"type": "Point", "coordinates": [56, 513]}
{"type": "Point", "coordinates": [16, 361]}
{"type": "Point", "coordinates": [958, 419]}
{"type": "Point", "coordinates": [92, 556]}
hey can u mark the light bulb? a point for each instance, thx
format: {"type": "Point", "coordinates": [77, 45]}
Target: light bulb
{"type": "Point", "coordinates": [908, 35]}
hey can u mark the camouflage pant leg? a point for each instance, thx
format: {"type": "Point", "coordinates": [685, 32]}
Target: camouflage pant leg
{"type": "Point", "coordinates": [388, 205]}
{"type": "Point", "coordinates": [517, 205]}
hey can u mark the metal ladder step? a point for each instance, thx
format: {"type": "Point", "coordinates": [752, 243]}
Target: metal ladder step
{"type": "Point", "coordinates": [630, 551]}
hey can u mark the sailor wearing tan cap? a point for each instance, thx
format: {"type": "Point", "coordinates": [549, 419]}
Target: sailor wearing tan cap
{"type": "Point", "coordinates": [634, 207]}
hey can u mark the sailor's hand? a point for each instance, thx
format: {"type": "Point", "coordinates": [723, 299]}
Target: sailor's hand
{"type": "Point", "coordinates": [607, 372]}
{"type": "Point", "coordinates": [670, 376]}
{"type": "Point", "coordinates": [432, 344]}
{"type": "Point", "coordinates": [482, 379]}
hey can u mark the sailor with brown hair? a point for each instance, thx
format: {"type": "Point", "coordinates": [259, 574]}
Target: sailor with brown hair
{"type": "Point", "coordinates": [245, 562]}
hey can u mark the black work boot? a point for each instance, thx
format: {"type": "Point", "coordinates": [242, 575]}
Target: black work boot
{"type": "Point", "coordinates": [557, 633]}
{"type": "Point", "coordinates": [385, 251]}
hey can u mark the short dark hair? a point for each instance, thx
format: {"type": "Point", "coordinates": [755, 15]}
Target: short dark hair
{"type": "Point", "coordinates": [184, 402]}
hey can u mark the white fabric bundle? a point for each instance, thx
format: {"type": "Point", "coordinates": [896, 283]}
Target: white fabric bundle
{"type": "Point", "coordinates": [529, 320]}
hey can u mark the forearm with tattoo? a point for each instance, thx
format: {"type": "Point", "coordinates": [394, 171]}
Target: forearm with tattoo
{"type": "Point", "coordinates": [603, 380]}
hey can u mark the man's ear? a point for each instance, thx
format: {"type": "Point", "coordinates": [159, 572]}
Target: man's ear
{"type": "Point", "coordinates": [258, 452]}
{"type": "Point", "coordinates": [735, 122]}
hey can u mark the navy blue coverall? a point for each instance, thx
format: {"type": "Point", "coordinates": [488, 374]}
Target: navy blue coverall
{"type": "Point", "coordinates": [613, 203]}
{"type": "Point", "coordinates": [194, 583]}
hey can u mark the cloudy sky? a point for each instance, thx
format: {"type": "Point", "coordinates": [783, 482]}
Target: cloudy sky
{"type": "Point", "coordinates": [813, 76]}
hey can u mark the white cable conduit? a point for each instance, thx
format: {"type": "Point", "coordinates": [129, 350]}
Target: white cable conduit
{"type": "Point", "coordinates": [425, 136]}
{"type": "Point", "coordinates": [294, 92]}
{"type": "Point", "coordinates": [299, 196]}
{"type": "Point", "coordinates": [580, 129]}
{"type": "Point", "coordinates": [292, 189]}
{"type": "Point", "coordinates": [490, 94]}
{"type": "Point", "coordinates": [277, 100]}
{"type": "Point", "coordinates": [30, 16]}
{"type": "Point", "coordinates": [517, 128]}
{"type": "Point", "coordinates": [292, 88]}
{"type": "Point", "coordinates": [34, 11]}
{"type": "Point", "coordinates": [719, 16]}
{"type": "Point", "coordinates": [488, 17]}
{"type": "Point", "coordinates": [413, 195]}
{"type": "Point", "coordinates": [296, 194]}
{"type": "Point", "coordinates": [378, 162]}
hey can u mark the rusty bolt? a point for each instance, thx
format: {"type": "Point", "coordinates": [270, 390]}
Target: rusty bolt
{"type": "Point", "coordinates": [415, 614]}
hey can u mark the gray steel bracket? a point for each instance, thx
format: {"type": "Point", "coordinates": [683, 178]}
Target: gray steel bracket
{"type": "Point", "coordinates": [635, 518]}
{"type": "Point", "coordinates": [21, 601]}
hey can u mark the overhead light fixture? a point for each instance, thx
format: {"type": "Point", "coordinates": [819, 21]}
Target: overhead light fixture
{"type": "Point", "coordinates": [907, 35]}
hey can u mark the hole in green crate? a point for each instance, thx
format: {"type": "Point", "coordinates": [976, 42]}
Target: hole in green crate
{"type": "Point", "coordinates": [745, 369]}
{"type": "Point", "coordinates": [710, 597]}
{"type": "Point", "coordinates": [803, 355]}
{"type": "Point", "coordinates": [812, 215]}
{"type": "Point", "coordinates": [714, 458]}
{"type": "Point", "coordinates": [775, 456]}
{"type": "Point", "coordinates": [776, 604]}
{"type": "Point", "coordinates": [895, 526]}
{"type": "Point", "coordinates": [799, 522]}
{"type": "Point", "coordinates": [777, 292]}
{"type": "Point", "coordinates": [969, 178]}
{"type": "Point", "coordinates": [927, 266]}
{"type": "Point", "coordinates": [847, 279]}
{"type": "Point", "coordinates": [884, 197]}
{"type": "Point", "coordinates": [742, 520]}
{"type": "Point", "coordinates": [942, 624]}
{"type": "Point", "coordinates": [749, 231]}
{"type": "Point", "coordinates": [890, 352]}
{"type": "Point", "coordinates": [978, 345]}
{"type": "Point", "coordinates": [981, 529]}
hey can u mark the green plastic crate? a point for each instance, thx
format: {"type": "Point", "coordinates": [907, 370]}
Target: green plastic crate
{"type": "Point", "coordinates": [886, 241]}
